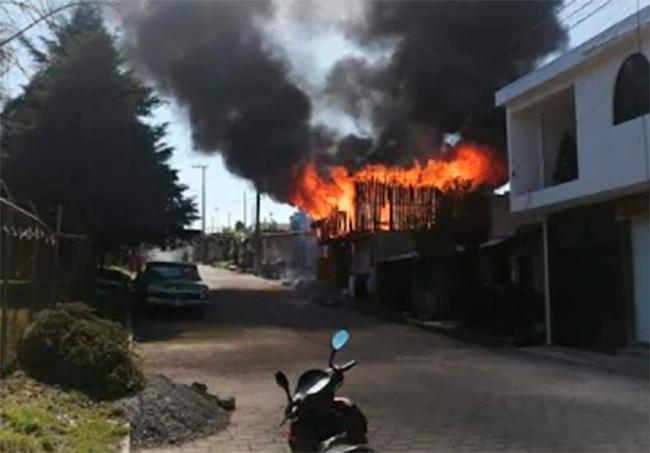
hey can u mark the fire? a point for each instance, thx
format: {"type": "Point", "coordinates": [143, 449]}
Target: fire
{"type": "Point", "coordinates": [321, 195]}
{"type": "Point", "coordinates": [318, 196]}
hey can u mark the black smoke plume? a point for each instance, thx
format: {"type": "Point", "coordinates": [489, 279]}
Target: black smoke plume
{"type": "Point", "coordinates": [211, 57]}
{"type": "Point", "coordinates": [445, 62]}
{"type": "Point", "coordinates": [449, 59]}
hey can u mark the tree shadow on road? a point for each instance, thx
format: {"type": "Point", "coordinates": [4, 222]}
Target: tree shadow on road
{"type": "Point", "coordinates": [274, 307]}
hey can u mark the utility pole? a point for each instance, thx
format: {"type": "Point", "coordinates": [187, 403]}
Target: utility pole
{"type": "Point", "coordinates": [216, 209]}
{"type": "Point", "coordinates": [258, 242]}
{"type": "Point", "coordinates": [244, 213]}
{"type": "Point", "coordinates": [257, 213]}
{"type": "Point", "coordinates": [203, 168]}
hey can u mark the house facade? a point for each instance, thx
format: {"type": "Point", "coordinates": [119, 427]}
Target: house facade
{"type": "Point", "coordinates": [578, 134]}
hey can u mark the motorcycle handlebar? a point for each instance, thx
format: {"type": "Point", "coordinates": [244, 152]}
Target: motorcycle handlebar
{"type": "Point", "coordinates": [347, 366]}
{"type": "Point", "coordinates": [341, 368]}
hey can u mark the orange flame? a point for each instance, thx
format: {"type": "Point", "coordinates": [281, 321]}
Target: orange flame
{"type": "Point", "coordinates": [320, 195]}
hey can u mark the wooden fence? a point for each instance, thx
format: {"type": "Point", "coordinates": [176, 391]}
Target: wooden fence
{"type": "Point", "coordinates": [38, 268]}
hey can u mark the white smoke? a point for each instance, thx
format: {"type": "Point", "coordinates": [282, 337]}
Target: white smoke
{"type": "Point", "coordinates": [181, 254]}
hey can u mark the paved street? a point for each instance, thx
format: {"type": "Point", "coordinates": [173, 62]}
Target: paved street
{"type": "Point", "coordinates": [420, 391]}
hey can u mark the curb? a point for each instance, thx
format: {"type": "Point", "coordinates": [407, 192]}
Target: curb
{"type": "Point", "coordinates": [453, 331]}
{"type": "Point", "coordinates": [449, 329]}
{"type": "Point", "coordinates": [616, 364]}
{"type": "Point", "coordinates": [124, 445]}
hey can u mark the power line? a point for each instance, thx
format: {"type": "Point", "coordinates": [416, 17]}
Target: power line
{"type": "Point", "coordinates": [584, 18]}
{"type": "Point", "coordinates": [539, 24]}
{"type": "Point", "coordinates": [564, 7]}
{"type": "Point", "coordinates": [617, 16]}
{"type": "Point", "coordinates": [598, 102]}
{"type": "Point", "coordinates": [582, 8]}
{"type": "Point", "coordinates": [568, 27]}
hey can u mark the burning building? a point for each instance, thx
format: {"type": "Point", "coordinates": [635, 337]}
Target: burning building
{"type": "Point", "coordinates": [365, 218]}
{"type": "Point", "coordinates": [381, 197]}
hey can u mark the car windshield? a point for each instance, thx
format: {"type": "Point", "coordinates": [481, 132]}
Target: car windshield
{"type": "Point", "coordinates": [171, 271]}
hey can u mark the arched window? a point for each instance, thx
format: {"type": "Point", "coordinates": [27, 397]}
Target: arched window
{"type": "Point", "coordinates": [632, 90]}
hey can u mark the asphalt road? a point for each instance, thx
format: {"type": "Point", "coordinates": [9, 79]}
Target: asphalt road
{"type": "Point", "coordinates": [420, 391]}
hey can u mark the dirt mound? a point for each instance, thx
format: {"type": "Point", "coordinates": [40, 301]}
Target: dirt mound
{"type": "Point", "coordinates": [169, 413]}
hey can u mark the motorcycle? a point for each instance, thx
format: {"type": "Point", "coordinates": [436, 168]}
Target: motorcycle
{"type": "Point", "coordinates": [319, 420]}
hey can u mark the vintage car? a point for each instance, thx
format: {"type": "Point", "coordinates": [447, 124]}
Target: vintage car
{"type": "Point", "coordinates": [171, 284]}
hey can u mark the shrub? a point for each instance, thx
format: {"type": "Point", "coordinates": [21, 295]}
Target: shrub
{"type": "Point", "coordinates": [72, 347]}
{"type": "Point", "coordinates": [17, 442]}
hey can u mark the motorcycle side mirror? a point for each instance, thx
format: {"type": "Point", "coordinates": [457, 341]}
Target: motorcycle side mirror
{"type": "Point", "coordinates": [282, 380]}
{"type": "Point", "coordinates": [340, 339]}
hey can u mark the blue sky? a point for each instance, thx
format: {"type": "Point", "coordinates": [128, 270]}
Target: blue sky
{"type": "Point", "coordinates": [311, 55]}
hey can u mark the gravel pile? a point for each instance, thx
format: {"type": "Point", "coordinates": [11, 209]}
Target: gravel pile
{"type": "Point", "coordinates": [168, 413]}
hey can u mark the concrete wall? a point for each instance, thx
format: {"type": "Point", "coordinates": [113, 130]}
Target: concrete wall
{"type": "Point", "coordinates": [523, 150]}
{"type": "Point", "coordinates": [391, 245]}
{"type": "Point", "coordinates": [502, 222]}
{"type": "Point", "coordinates": [612, 159]}
{"type": "Point", "coordinates": [362, 256]}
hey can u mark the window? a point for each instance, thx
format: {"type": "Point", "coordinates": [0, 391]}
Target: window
{"type": "Point", "coordinates": [173, 271]}
{"type": "Point", "coordinates": [632, 90]}
{"type": "Point", "coordinates": [566, 163]}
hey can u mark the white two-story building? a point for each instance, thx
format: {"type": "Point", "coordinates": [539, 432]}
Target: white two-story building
{"type": "Point", "coordinates": [578, 134]}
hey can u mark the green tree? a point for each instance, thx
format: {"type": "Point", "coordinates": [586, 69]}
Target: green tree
{"type": "Point", "coordinates": [81, 136]}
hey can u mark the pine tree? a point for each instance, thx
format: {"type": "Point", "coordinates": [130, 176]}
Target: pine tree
{"type": "Point", "coordinates": [81, 136]}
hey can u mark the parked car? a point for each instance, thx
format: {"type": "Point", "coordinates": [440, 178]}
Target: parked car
{"type": "Point", "coordinates": [108, 281]}
{"type": "Point", "coordinates": [171, 284]}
